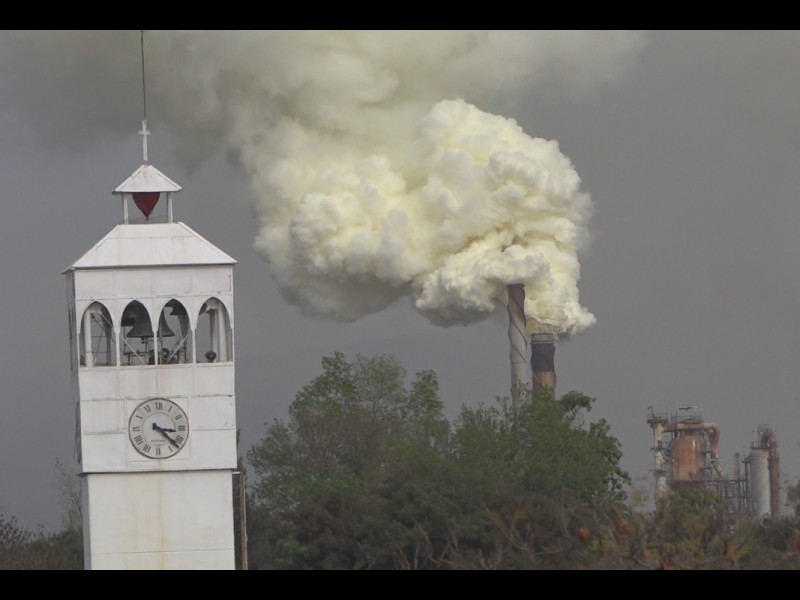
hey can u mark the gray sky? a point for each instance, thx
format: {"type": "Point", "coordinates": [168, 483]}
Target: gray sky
{"type": "Point", "coordinates": [685, 142]}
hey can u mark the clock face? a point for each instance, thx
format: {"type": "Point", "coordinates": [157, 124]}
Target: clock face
{"type": "Point", "coordinates": [158, 428]}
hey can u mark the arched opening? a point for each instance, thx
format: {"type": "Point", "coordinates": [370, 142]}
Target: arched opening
{"type": "Point", "coordinates": [213, 334]}
{"type": "Point", "coordinates": [136, 339]}
{"type": "Point", "coordinates": [98, 346]}
{"type": "Point", "coordinates": [174, 334]}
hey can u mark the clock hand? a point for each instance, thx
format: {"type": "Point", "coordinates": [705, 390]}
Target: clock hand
{"type": "Point", "coordinates": [163, 431]}
{"type": "Point", "coordinates": [157, 427]}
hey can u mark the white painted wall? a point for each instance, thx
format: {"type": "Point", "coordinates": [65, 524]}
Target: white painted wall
{"type": "Point", "coordinates": [159, 520]}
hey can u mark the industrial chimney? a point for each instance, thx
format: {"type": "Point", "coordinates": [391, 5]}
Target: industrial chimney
{"type": "Point", "coordinates": [518, 338]}
{"type": "Point", "coordinates": [765, 474]}
{"type": "Point", "coordinates": [543, 351]}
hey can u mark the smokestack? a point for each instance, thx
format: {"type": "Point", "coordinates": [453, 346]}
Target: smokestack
{"type": "Point", "coordinates": [769, 441]}
{"type": "Point", "coordinates": [543, 351]}
{"type": "Point", "coordinates": [518, 338]}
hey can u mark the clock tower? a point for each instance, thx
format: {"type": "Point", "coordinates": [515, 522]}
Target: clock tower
{"type": "Point", "coordinates": [150, 310]}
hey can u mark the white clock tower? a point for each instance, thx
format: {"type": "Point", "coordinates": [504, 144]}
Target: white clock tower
{"type": "Point", "coordinates": [151, 342]}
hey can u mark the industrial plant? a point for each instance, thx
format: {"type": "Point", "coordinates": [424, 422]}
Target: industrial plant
{"type": "Point", "coordinates": [685, 455]}
{"type": "Point", "coordinates": [685, 445]}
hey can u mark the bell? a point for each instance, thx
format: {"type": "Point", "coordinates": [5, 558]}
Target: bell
{"type": "Point", "coordinates": [177, 309]}
{"type": "Point", "coordinates": [141, 321]}
{"type": "Point", "coordinates": [137, 314]}
{"type": "Point", "coordinates": [163, 328]}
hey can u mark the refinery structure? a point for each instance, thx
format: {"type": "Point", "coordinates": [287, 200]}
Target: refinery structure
{"type": "Point", "coordinates": [685, 455]}
{"type": "Point", "coordinates": [685, 445]}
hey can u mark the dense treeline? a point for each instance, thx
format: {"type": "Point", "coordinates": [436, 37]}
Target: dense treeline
{"type": "Point", "coordinates": [366, 473]}
{"type": "Point", "coordinates": [22, 549]}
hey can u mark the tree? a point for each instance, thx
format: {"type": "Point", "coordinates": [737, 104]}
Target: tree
{"type": "Point", "coordinates": [534, 478]}
{"type": "Point", "coordinates": [768, 543]}
{"type": "Point", "coordinates": [323, 477]}
{"type": "Point", "coordinates": [22, 549]}
{"type": "Point", "coordinates": [25, 549]}
{"type": "Point", "coordinates": [364, 474]}
{"type": "Point", "coordinates": [690, 530]}
{"type": "Point", "coordinates": [68, 487]}
{"type": "Point", "coordinates": [793, 497]}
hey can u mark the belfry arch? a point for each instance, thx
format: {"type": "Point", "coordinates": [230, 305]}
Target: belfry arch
{"type": "Point", "coordinates": [214, 341]}
{"type": "Point", "coordinates": [174, 334]}
{"type": "Point", "coordinates": [98, 347]}
{"type": "Point", "coordinates": [136, 336]}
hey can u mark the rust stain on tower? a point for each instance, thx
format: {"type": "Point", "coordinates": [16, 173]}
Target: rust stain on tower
{"type": "Point", "coordinates": [689, 449]}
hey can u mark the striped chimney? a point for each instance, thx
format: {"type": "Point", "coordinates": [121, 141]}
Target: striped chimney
{"type": "Point", "coordinates": [518, 337]}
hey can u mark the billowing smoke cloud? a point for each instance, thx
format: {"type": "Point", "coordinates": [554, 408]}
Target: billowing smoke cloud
{"type": "Point", "coordinates": [376, 178]}
{"type": "Point", "coordinates": [478, 205]}
{"type": "Point", "coordinates": [377, 170]}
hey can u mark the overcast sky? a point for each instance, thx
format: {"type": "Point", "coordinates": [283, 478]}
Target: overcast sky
{"type": "Point", "coordinates": [684, 224]}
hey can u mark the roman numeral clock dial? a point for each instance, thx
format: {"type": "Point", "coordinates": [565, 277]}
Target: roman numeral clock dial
{"type": "Point", "coordinates": [158, 428]}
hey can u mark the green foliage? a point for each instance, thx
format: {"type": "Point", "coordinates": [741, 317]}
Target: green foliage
{"type": "Point", "coordinates": [540, 474]}
{"type": "Point", "coordinates": [324, 478]}
{"type": "Point", "coordinates": [690, 529]}
{"type": "Point", "coordinates": [769, 544]}
{"type": "Point", "coordinates": [365, 475]}
{"type": "Point", "coordinates": [21, 549]}
{"type": "Point", "coordinates": [68, 487]}
{"type": "Point", "coordinates": [793, 497]}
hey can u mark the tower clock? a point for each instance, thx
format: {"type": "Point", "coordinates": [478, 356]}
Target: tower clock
{"type": "Point", "coordinates": [151, 322]}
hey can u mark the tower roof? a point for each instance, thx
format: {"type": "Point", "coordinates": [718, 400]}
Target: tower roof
{"type": "Point", "coordinates": [152, 245]}
{"type": "Point", "coordinates": [147, 179]}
